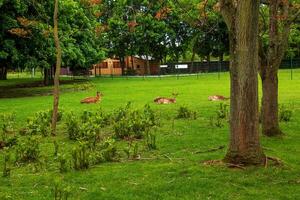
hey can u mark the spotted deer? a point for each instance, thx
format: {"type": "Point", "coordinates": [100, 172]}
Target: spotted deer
{"type": "Point", "coordinates": [89, 100]}
{"type": "Point", "coordinates": [217, 98]}
{"type": "Point", "coordinates": [165, 100]}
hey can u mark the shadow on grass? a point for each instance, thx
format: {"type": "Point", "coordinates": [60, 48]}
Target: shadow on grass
{"type": "Point", "coordinates": [32, 88]}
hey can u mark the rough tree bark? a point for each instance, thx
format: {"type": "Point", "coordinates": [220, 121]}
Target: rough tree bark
{"type": "Point", "coordinates": [241, 18]}
{"type": "Point", "coordinates": [270, 62]}
{"type": "Point", "coordinates": [3, 72]}
{"type": "Point", "coordinates": [57, 71]}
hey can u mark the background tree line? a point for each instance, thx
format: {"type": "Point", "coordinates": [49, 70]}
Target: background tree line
{"type": "Point", "coordinates": [90, 30]}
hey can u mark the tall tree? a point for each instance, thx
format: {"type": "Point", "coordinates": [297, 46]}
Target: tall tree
{"type": "Point", "coordinates": [57, 71]}
{"type": "Point", "coordinates": [282, 14]}
{"type": "Point", "coordinates": [241, 18]}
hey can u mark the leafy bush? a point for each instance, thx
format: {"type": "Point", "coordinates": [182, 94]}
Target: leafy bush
{"type": "Point", "coordinates": [6, 164]}
{"type": "Point", "coordinates": [134, 123]}
{"type": "Point", "coordinates": [40, 123]}
{"type": "Point", "coordinates": [27, 149]}
{"type": "Point", "coordinates": [7, 126]}
{"type": "Point", "coordinates": [63, 163]}
{"type": "Point", "coordinates": [80, 155]}
{"type": "Point", "coordinates": [221, 116]}
{"type": "Point", "coordinates": [285, 113]}
{"type": "Point", "coordinates": [108, 150]}
{"type": "Point", "coordinates": [88, 126]}
{"type": "Point", "coordinates": [151, 141]}
{"type": "Point", "coordinates": [185, 113]}
{"type": "Point", "coordinates": [61, 190]}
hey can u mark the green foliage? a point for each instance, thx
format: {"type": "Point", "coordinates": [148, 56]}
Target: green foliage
{"type": "Point", "coordinates": [88, 126]}
{"type": "Point", "coordinates": [185, 113]}
{"type": "Point", "coordinates": [151, 141]}
{"type": "Point", "coordinates": [28, 149]}
{"type": "Point", "coordinates": [134, 123]}
{"type": "Point", "coordinates": [63, 163]}
{"type": "Point", "coordinates": [6, 163]}
{"type": "Point", "coordinates": [80, 156]}
{"type": "Point", "coordinates": [285, 113]}
{"type": "Point", "coordinates": [40, 123]}
{"type": "Point", "coordinates": [7, 126]}
{"type": "Point", "coordinates": [108, 150]}
{"type": "Point", "coordinates": [221, 116]}
{"type": "Point", "coordinates": [61, 190]}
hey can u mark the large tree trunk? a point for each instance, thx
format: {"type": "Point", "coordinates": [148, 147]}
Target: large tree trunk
{"type": "Point", "coordinates": [242, 21]}
{"type": "Point", "coordinates": [57, 71]}
{"type": "Point", "coordinates": [3, 73]}
{"type": "Point", "coordinates": [269, 109]}
{"type": "Point", "coordinates": [270, 62]}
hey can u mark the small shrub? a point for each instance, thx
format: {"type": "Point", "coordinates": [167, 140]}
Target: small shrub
{"type": "Point", "coordinates": [40, 123]}
{"type": "Point", "coordinates": [185, 113]}
{"type": "Point", "coordinates": [222, 112]}
{"type": "Point", "coordinates": [216, 122]}
{"type": "Point", "coordinates": [151, 141]}
{"type": "Point", "coordinates": [73, 126]}
{"type": "Point", "coordinates": [132, 151]}
{"type": "Point", "coordinates": [63, 163]}
{"type": "Point", "coordinates": [285, 113]}
{"type": "Point", "coordinates": [6, 164]}
{"type": "Point", "coordinates": [88, 126]}
{"type": "Point", "coordinates": [7, 127]}
{"type": "Point", "coordinates": [221, 116]}
{"type": "Point", "coordinates": [27, 149]}
{"type": "Point", "coordinates": [80, 155]}
{"type": "Point", "coordinates": [61, 191]}
{"type": "Point", "coordinates": [134, 123]}
{"type": "Point", "coordinates": [109, 150]}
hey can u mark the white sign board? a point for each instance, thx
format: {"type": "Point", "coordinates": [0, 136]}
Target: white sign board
{"type": "Point", "coordinates": [183, 66]}
{"type": "Point", "coordinates": [163, 66]}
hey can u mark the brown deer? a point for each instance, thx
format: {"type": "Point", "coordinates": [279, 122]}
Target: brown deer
{"type": "Point", "coordinates": [92, 99]}
{"type": "Point", "coordinates": [217, 98]}
{"type": "Point", "coordinates": [165, 100]}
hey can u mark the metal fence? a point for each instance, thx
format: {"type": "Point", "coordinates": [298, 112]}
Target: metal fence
{"type": "Point", "coordinates": [213, 66]}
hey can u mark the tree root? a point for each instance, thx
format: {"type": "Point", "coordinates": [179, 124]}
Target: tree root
{"type": "Point", "coordinates": [275, 160]}
{"type": "Point", "coordinates": [222, 163]}
{"type": "Point", "coordinates": [210, 150]}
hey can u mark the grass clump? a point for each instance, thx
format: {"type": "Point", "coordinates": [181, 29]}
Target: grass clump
{"type": "Point", "coordinates": [185, 113]}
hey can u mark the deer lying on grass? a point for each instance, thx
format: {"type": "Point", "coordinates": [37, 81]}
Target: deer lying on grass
{"type": "Point", "coordinates": [92, 99]}
{"type": "Point", "coordinates": [217, 98]}
{"type": "Point", "coordinates": [164, 100]}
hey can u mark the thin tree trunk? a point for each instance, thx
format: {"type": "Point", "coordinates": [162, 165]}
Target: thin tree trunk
{"type": "Point", "coordinates": [3, 73]}
{"type": "Point", "coordinates": [46, 77]}
{"type": "Point", "coordinates": [57, 71]}
{"type": "Point", "coordinates": [148, 71]}
{"type": "Point", "coordinates": [242, 22]}
{"type": "Point", "coordinates": [132, 62]}
{"type": "Point", "coordinates": [122, 63]}
{"type": "Point", "coordinates": [269, 110]}
{"type": "Point", "coordinates": [208, 61]}
{"type": "Point", "coordinates": [193, 59]}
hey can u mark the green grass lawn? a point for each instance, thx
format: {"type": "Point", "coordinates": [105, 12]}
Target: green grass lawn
{"type": "Point", "coordinates": [174, 171]}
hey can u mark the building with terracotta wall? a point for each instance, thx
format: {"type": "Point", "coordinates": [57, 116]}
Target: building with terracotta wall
{"type": "Point", "coordinates": [133, 64]}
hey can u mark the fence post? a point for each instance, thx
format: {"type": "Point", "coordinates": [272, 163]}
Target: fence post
{"type": "Point", "coordinates": [291, 68]}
